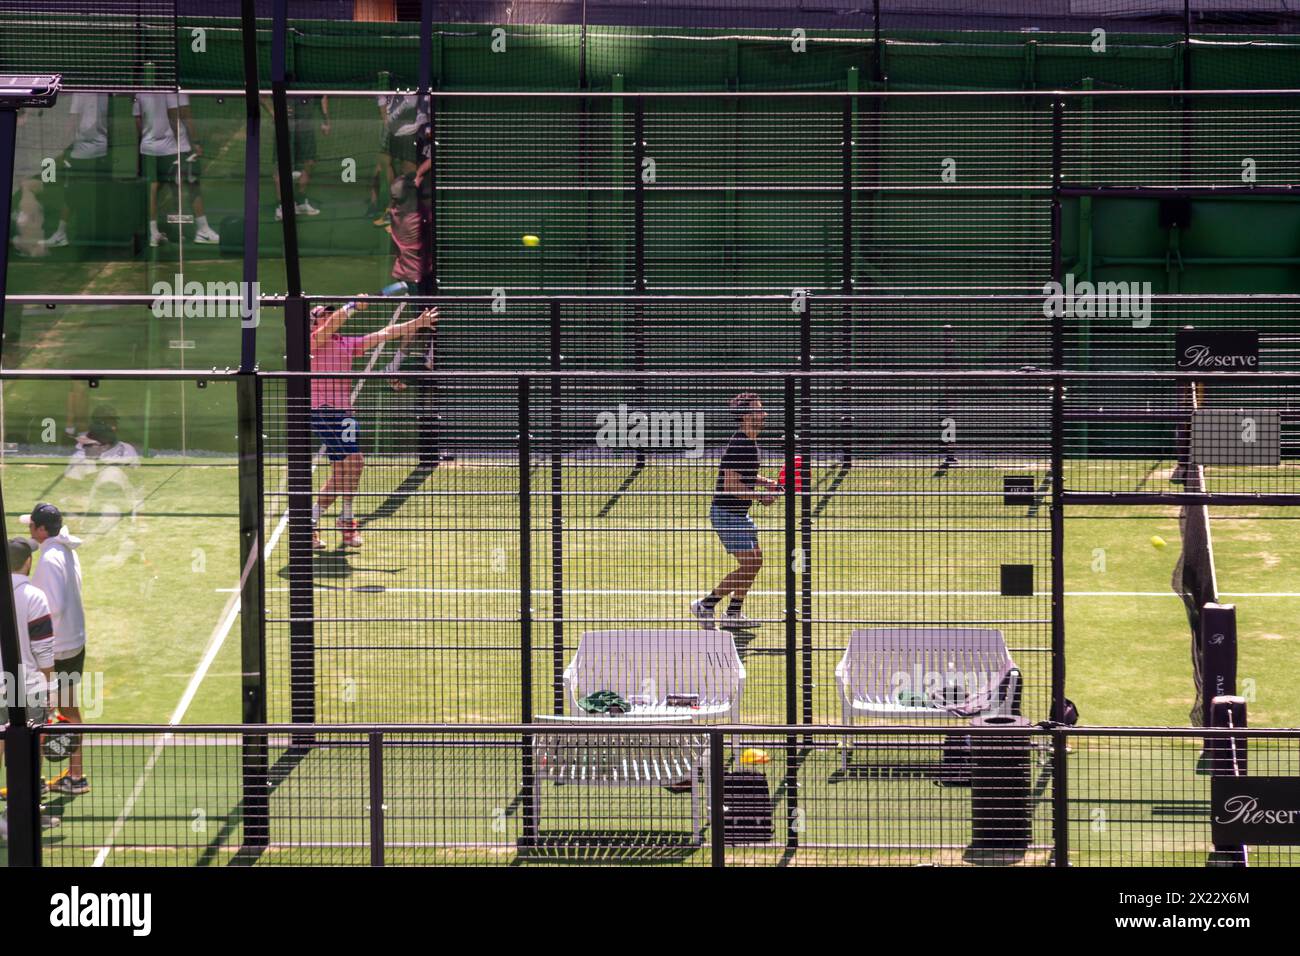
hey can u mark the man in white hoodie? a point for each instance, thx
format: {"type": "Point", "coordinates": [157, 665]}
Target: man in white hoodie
{"type": "Point", "coordinates": [58, 575]}
{"type": "Point", "coordinates": [35, 648]}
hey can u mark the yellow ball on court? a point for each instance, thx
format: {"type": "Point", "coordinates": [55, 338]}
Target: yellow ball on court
{"type": "Point", "coordinates": [532, 241]}
{"type": "Point", "coordinates": [1157, 541]}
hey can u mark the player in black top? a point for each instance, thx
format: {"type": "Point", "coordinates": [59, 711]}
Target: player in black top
{"type": "Point", "coordinates": [738, 486]}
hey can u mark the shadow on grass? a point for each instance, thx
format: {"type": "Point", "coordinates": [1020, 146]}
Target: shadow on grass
{"type": "Point", "coordinates": [833, 486]}
{"type": "Point", "coordinates": [249, 853]}
{"type": "Point", "coordinates": [400, 495]}
{"type": "Point", "coordinates": [632, 476]}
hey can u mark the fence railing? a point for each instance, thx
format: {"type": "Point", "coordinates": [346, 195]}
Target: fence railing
{"type": "Point", "coordinates": [615, 792]}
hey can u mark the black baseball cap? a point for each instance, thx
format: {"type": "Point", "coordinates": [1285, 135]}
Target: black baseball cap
{"type": "Point", "coordinates": [44, 516]}
{"type": "Point", "coordinates": [20, 549]}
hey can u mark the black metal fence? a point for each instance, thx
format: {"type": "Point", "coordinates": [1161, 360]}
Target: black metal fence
{"type": "Point", "coordinates": [685, 795]}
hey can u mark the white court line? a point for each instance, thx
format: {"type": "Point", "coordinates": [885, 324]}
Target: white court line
{"type": "Point", "coordinates": [633, 592]}
{"type": "Point", "coordinates": [215, 642]}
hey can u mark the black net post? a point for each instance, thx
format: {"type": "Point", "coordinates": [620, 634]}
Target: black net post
{"type": "Point", "coordinates": [1227, 757]}
{"type": "Point", "coordinates": [1217, 639]}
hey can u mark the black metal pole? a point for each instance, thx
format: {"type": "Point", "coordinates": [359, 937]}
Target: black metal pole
{"type": "Point", "coordinates": [557, 518]}
{"type": "Point", "coordinates": [283, 147]}
{"type": "Point", "coordinates": [525, 558]}
{"type": "Point", "coordinates": [528, 795]}
{"type": "Point", "coordinates": [717, 813]}
{"type": "Point", "coordinates": [638, 264]}
{"type": "Point", "coordinates": [792, 480]}
{"type": "Point", "coordinates": [846, 276]}
{"type": "Point", "coordinates": [252, 617]}
{"type": "Point", "coordinates": [582, 52]}
{"type": "Point", "coordinates": [877, 44]}
{"type": "Point", "coordinates": [22, 758]}
{"type": "Point", "coordinates": [429, 393]}
{"type": "Point", "coordinates": [252, 183]}
{"type": "Point", "coordinates": [8, 148]}
{"type": "Point", "coordinates": [1058, 429]}
{"type": "Point", "coordinates": [375, 748]}
{"type": "Point", "coordinates": [298, 456]}
{"type": "Point", "coordinates": [1187, 44]}
{"type": "Point", "coordinates": [1060, 798]}
{"type": "Point", "coordinates": [255, 761]}
{"type": "Point", "coordinates": [298, 451]}
{"type": "Point", "coordinates": [805, 429]}
{"type": "Point", "coordinates": [426, 94]}
{"type": "Point", "coordinates": [638, 195]}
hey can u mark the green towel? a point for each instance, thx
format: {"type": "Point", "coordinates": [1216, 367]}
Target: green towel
{"type": "Point", "coordinates": [604, 702]}
{"type": "Point", "coordinates": [907, 698]}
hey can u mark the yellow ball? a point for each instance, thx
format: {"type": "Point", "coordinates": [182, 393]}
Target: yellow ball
{"type": "Point", "coordinates": [532, 241]}
{"type": "Point", "coordinates": [1157, 541]}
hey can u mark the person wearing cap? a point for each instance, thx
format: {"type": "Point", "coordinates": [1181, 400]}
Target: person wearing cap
{"type": "Point", "coordinates": [332, 416]}
{"type": "Point", "coordinates": [35, 640]}
{"type": "Point", "coordinates": [100, 443]}
{"type": "Point", "coordinates": [58, 575]}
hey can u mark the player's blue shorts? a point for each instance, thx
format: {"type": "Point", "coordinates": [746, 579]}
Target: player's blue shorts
{"type": "Point", "coordinates": [338, 432]}
{"type": "Point", "coordinates": [737, 531]}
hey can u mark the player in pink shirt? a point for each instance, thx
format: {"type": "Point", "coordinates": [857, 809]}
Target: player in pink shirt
{"type": "Point", "coordinates": [332, 416]}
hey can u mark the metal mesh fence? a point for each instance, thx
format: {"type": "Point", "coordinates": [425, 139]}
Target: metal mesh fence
{"type": "Point", "coordinates": [592, 792]}
{"type": "Point", "coordinates": [1143, 436]}
{"type": "Point", "coordinates": [93, 45]}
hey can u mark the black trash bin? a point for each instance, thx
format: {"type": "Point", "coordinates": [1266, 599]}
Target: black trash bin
{"type": "Point", "coordinates": [1001, 807]}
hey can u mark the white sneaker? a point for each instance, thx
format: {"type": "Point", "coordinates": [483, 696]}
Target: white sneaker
{"type": "Point", "coordinates": [736, 621]}
{"type": "Point", "coordinates": [207, 236]}
{"type": "Point", "coordinates": [305, 208]}
{"type": "Point", "coordinates": [57, 241]}
{"type": "Point", "coordinates": [279, 213]}
{"type": "Point", "coordinates": [156, 239]}
{"type": "Point", "coordinates": [703, 614]}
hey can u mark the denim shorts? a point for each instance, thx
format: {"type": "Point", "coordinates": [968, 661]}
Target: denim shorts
{"type": "Point", "coordinates": [736, 531]}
